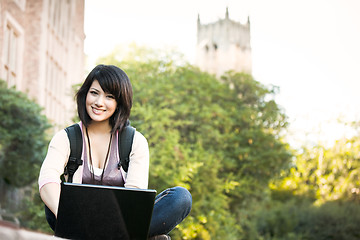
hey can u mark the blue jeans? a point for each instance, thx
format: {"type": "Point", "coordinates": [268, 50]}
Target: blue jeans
{"type": "Point", "coordinates": [171, 208]}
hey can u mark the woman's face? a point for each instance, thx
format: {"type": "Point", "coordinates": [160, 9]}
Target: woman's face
{"type": "Point", "coordinates": [99, 105]}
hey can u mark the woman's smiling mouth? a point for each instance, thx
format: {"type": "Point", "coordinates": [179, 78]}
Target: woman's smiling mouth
{"type": "Point", "coordinates": [97, 110]}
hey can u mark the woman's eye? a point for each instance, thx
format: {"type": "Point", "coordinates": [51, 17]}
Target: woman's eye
{"type": "Point", "coordinates": [93, 92]}
{"type": "Point", "coordinates": [110, 96]}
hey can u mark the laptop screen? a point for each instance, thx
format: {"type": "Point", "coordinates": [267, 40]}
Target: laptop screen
{"type": "Point", "coordinates": [104, 212]}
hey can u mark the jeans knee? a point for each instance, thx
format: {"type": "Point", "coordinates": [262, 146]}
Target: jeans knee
{"type": "Point", "coordinates": [184, 198]}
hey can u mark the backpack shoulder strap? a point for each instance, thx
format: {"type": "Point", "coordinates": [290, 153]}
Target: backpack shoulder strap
{"type": "Point", "coordinates": [76, 144]}
{"type": "Point", "coordinates": [125, 140]}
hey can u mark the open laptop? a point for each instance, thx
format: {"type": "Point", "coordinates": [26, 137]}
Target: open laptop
{"type": "Point", "coordinates": [104, 212]}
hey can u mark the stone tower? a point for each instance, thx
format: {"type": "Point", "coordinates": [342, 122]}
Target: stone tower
{"type": "Point", "coordinates": [223, 45]}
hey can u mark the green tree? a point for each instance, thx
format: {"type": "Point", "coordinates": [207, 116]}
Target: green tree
{"type": "Point", "coordinates": [22, 137]}
{"type": "Point", "coordinates": [219, 139]}
{"type": "Point", "coordinates": [254, 149]}
{"type": "Point", "coordinates": [325, 174]}
{"type": "Point", "coordinates": [318, 198]}
{"type": "Point", "coordinates": [22, 149]}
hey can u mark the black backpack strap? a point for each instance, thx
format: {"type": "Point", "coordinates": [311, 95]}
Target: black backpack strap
{"type": "Point", "coordinates": [125, 141]}
{"type": "Point", "coordinates": [76, 144]}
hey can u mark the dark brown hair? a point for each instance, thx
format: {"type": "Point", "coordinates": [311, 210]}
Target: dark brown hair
{"type": "Point", "coordinates": [112, 80]}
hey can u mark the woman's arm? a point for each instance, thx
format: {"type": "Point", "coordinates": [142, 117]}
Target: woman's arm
{"type": "Point", "coordinates": [50, 194]}
{"type": "Point", "coordinates": [52, 168]}
{"type": "Point", "coordinates": [138, 171]}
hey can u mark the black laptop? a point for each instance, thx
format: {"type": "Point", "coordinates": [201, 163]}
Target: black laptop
{"type": "Point", "coordinates": [104, 212]}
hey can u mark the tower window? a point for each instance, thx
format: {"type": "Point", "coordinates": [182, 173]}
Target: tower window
{"type": "Point", "coordinates": [215, 46]}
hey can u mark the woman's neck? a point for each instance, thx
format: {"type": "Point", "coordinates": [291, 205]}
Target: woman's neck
{"type": "Point", "coordinates": [99, 127]}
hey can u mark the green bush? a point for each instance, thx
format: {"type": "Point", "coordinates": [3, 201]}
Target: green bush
{"type": "Point", "coordinates": [23, 144]}
{"type": "Point", "coordinates": [303, 220]}
{"type": "Point", "coordinates": [32, 215]}
{"type": "Point", "coordinates": [22, 137]}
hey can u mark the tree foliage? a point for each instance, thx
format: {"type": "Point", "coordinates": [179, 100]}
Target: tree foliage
{"type": "Point", "coordinates": [22, 137]}
{"type": "Point", "coordinates": [294, 220]}
{"type": "Point", "coordinates": [325, 174]}
{"type": "Point", "coordinates": [222, 140]}
{"type": "Point", "coordinates": [219, 139]}
{"type": "Point", "coordinates": [318, 198]}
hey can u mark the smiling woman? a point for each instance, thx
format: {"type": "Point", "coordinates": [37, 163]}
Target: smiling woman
{"type": "Point", "coordinates": [104, 103]}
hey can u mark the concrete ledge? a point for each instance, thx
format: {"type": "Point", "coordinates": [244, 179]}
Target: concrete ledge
{"type": "Point", "coordinates": [10, 231]}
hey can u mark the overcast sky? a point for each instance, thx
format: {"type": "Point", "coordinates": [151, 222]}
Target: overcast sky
{"type": "Point", "coordinates": [309, 48]}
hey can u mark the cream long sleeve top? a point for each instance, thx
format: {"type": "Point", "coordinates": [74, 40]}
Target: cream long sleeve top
{"type": "Point", "coordinates": [59, 151]}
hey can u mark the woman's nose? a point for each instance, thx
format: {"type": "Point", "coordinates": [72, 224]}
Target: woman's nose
{"type": "Point", "coordinates": [99, 101]}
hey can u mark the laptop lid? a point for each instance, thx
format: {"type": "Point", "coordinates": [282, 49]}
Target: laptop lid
{"type": "Point", "coordinates": [104, 212]}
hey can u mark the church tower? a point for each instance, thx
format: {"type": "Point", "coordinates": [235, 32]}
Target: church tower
{"type": "Point", "coordinates": [223, 46]}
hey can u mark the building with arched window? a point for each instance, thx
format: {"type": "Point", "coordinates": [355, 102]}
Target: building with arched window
{"type": "Point", "coordinates": [42, 52]}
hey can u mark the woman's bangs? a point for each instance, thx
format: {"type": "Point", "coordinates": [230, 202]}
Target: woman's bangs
{"type": "Point", "coordinates": [108, 83]}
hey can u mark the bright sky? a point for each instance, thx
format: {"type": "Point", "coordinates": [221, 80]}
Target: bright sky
{"type": "Point", "coordinates": [309, 48]}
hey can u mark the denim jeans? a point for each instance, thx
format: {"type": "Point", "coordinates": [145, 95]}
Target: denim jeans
{"type": "Point", "coordinates": [171, 207]}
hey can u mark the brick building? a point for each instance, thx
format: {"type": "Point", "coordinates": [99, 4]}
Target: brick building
{"type": "Point", "coordinates": [42, 52]}
{"type": "Point", "coordinates": [223, 45]}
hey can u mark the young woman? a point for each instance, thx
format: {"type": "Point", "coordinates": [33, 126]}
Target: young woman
{"type": "Point", "coordinates": [104, 103]}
